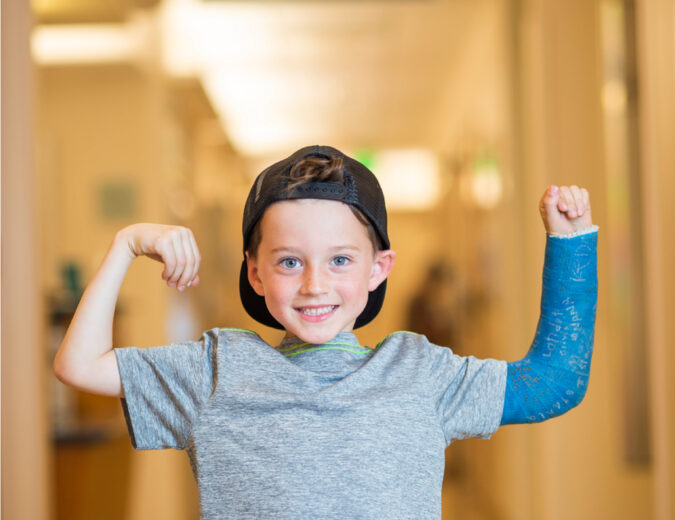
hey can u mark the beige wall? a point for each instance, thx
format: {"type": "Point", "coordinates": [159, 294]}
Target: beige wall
{"type": "Point", "coordinates": [25, 460]}
{"type": "Point", "coordinates": [656, 59]}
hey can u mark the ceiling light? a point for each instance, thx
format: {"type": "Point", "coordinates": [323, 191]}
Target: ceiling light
{"type": "Point", "coordinates": [410, 178]}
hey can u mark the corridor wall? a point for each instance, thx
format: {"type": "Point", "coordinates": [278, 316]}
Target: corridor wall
{"type": "Point", "coordinates": [25, 448]}
{"type": "Point", "coordinates": [656, 72]}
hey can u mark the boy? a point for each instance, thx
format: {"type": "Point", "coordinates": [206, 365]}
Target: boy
{"type": "Point", "coordinates": [320, 426]}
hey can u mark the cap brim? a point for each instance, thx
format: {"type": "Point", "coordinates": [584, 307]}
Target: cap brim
{"type": "Point", "coordinates": [255, 306]}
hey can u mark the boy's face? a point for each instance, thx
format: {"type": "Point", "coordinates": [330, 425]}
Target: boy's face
{"type": "Point", "coordinates": [315, 266]}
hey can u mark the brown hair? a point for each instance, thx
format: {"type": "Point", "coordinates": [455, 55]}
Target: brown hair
{"type": "Point", "coordinates": [316, 169]}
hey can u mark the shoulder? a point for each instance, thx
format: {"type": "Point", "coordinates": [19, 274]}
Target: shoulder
{"type": "Point", "coordinates": [243, 346]}
{"type": "Point", "coordinates": [411, 347]}
{"type": "Point", "coordinates": [409, 340]}
{"type": "Point", "coordinates": [407, 344]}
{"type": "Point", "coordinates": [226, 334]}
{"type": "Point", "coordinates": [211, 342]}
{"type": "Point", "coordinates": [227, 340]}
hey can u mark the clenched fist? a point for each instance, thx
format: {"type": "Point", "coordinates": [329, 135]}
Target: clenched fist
{"type": "Point", "coordinates": [565, 209]}
{"type": "Point", "coordinates": [174, 246]}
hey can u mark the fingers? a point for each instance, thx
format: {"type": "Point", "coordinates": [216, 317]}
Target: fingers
{"type": "Point", "coordinates": [198, 260]}
{"type": "Point", "coordinates": [179, 252]}
{"type": "Point", "coordinates": [574, 201]}
{"type": "Point", "coordinates": [192, 261]}
{"type": "Point", "coordinates": [181, 262]}
{"type": "Point", "coordinates": [167, 253]}
{"type": "Point", "coordinates": [565, 209]}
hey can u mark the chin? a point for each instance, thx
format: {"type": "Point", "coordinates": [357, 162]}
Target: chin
{"type": "Point", "coordinates": [315, 333]}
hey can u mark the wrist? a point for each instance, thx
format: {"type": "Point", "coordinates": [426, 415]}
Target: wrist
{"type": "Point", "coordinates": [571, 263]}
{"type": "Point", "coordinates": [583, 231]}
{"type": "Point", "coordinates": [123, 243]}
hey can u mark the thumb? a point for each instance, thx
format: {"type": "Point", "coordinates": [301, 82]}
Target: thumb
{"type": "Point", "coordinates": [548, 206]}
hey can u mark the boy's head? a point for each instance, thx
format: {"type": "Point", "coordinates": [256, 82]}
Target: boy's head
{"type": "Point", "coordinates": [288, 239]}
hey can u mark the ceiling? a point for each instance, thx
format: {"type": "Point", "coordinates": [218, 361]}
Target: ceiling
{"type": "Point", "coordinates": [375, 74]}
{"type": "Point", "coordinates": [87, 11]}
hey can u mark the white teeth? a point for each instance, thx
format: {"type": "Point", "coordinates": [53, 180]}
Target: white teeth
{"type": "Point", "coordinates": [316, 311]}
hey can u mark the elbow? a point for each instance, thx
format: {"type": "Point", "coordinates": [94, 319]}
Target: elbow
{"type": "Point", "coordinates": [61, 369]}
{"type": "Point", "coordinates": [572, 398]}
{"type": "Point", "coordinates": [578, 394]}
{"type": "Point", "coordinates": [563, 399]}
{"type": "Point", "coordinates": [65, 371]}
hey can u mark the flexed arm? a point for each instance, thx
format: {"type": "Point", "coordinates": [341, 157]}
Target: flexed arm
{"type": "Point", "coordinates": [85, 359]}
{"type": "Point", "coordinates": [552, 378]}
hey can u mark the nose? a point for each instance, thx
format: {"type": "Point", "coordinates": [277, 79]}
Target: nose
{"type": "Point", "coordinates": [314, 281]}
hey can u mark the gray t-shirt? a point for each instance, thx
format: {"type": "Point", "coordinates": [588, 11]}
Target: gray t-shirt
{"type": "Point", "coordinates": [336, 430]}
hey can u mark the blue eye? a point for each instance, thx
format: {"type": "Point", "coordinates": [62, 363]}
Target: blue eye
{"type": "Point", "coordinates": [341, 261]}
{"type": "Point", "coordinates": [289, 263]}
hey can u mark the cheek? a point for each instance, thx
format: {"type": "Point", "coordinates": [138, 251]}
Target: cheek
{"type": "Point", "coordinates": [356, 290]}
{"type": "Point", "coordinates": [278, 289]}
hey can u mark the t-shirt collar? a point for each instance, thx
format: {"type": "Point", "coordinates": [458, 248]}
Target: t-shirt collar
{"type": "Point", "coordinates": [343, 339]}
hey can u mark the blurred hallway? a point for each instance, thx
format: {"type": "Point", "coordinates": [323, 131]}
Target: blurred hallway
{"type": "Point", "coordinates": [165, 110]}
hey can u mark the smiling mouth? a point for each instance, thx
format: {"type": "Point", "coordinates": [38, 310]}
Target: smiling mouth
{"type": "Point", "coordinates": [316, 311]}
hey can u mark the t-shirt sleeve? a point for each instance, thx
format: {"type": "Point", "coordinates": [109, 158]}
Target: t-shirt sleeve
{"type": "Point", "coordinates": [469, 393]}
{"type": "Point", "coordinates": [165, 388]}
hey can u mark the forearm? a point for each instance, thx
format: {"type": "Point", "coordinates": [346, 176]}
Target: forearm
{"type": "Point", "coordinates": [553, 377]}
{"type": "Point", "coordinates": [89, 336]}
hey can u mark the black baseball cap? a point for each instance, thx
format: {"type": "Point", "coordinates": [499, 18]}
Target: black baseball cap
{"type": "Point", "coordinates": [360, 190]}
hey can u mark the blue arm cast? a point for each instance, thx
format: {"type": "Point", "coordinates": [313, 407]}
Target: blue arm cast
{"type": "Point", "coordinates": [553, 376]}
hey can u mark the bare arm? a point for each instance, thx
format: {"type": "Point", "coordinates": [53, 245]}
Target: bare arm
{"type": "Point", "coordinates": [85, 359]}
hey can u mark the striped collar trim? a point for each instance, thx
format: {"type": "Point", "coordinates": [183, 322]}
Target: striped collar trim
{"type": "Point", "coordinates": [344, 341]}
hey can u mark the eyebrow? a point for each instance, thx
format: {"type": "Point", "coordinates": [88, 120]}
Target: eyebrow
{"type": "Point", "coordinates": [284, 249]}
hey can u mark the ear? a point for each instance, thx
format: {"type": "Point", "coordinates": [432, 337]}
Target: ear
{"type": "Point", "coordinates": [253, 277]}
{"type": "Point", "coordinates": [382, 266]}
